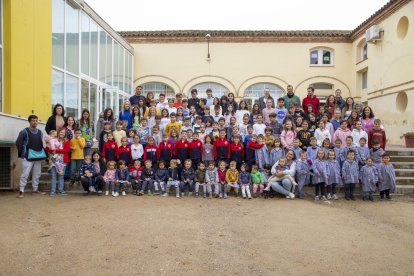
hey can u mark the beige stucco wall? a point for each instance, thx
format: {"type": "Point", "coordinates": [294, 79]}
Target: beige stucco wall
{"type": "Point", "coordinates": [390, 66]}
{"type": "Point", "coordinates": [239, 65]}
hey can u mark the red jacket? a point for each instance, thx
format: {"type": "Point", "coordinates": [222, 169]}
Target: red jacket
{"type": "Point", "coordinates": [196, 149]}
{"type": "Point", "coordinates": [109, 147]}
{"type": "Point", "coordinates": [65, 151]}
{"type": "Point", "coordinates": [237, 152]}
{"type": "Point", "coordinates": [151, 152]}
{"type": "Point", "coordinates": [253, 145]}
{"type": "Point", "coordinates": [313, 101]}
{"type": "Point", "coordinates": [379, 135]}
{"type": "Point", "coordinates": [124, 153]}
{"type": "Point", "coordinates": [182, 149]}
{"type": "Point", "coordinates": [166, 150]}
{"type": "Point", "coordinates": [221, 175]}
{"type": "Point", "coordinates": [221, 148]}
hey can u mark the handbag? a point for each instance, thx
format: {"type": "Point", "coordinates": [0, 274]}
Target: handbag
{"type": "Point", "coordinates": [34, 155]}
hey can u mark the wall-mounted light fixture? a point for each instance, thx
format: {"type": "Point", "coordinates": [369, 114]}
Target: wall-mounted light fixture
{"type": "Point", "coordinates": [208, 37]}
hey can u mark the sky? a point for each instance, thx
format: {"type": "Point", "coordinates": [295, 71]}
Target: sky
{"type": "Point", "coordinates": [152, 15]}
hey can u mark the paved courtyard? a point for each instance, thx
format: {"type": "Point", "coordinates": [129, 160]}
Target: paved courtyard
{"type": "Point", "coordinates": [80, 235]}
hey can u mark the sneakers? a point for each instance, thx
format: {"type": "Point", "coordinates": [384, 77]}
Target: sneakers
{"type": "Point", "coordinates": [316, 198]}
{"type": "Point", "coordinates": [287, 197]}
{"type": "Point", "coordinates": [123, 193]}
{"type": "Point", "coordinates": [38, 193]}
{"type": "Point", "coordinates": [196, 195]}
{"type": "Point", "coordinates": [149, 193]}
{"type": "Point", "coordinates": [388, 198]}
{"type": "Point", "coordinates": [21, 195]}
{"type": "Point", "coordinates": [267, 189]}
{"type": "Point", "coordinates": [335, 197]}
{"type": "Point", "coordinates": [177, 195]}
{"type": "Point", "coordinates": [324, 198]}
{"type": "Point", "coordinates": [164, 194]}
{"type": "Point", "coordinates": [115, 194]}
{"type": "Point", "coordinates": [182, 194]}
{"type": "Point", "coordinates": [254, 195]}
{"type": "Point", "coordinates": [52, 194]}
{"type": "Point", "coordinates": [106, 193]}
{"type": "Point", "coordinates": [63, 193]}
{"type": "Point", "coordinates": [291, 195]}
{"type": "Point", "coordinates": [141, 193]}
{"type": "Point", "coordinates": [371, 197]}
{"type": "Point", "coordinates": [190, 193]}
{"type": "Point", "coordinates": [92, 189]}
{"type": "Point", "coordinates": [244, 197]}
{"type": "Point", "coordinates": [329, 197]}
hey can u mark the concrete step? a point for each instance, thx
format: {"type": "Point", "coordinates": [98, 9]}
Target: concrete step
{"type": "Point", "coordinates": [403, 165]}
{"type": "Point", "coordinates": [405, 180]}
{"type": "Point", "coordinates": [404, 189]}
{"type": "Point", "coordinates": [404, 172]}
{"type": "Point", "coordinates": [400, 153]}
{"type": "Point", "coordinates": [402, 158]}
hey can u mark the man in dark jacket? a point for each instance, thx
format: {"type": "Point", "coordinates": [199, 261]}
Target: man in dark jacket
{"type": "Point", "coordinates": [30, 149]}
{"type": "Point", "coordinates": [262, 100]}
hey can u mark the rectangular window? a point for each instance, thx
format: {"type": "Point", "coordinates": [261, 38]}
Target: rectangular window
{"type": "Point", "coordinates": [116, 64]}
{"type": "Point", "coordinates": [364, 78]}
{"type": "Point", "coordinates": [109, 60]}
{"type": "Point", "coordinates": [326, 57]}
{"type": "Point", "coordinates": [57, 87]}
{"type": "Point", "coordinates": [72, 96]}
{"type": "Point", "coordinates": [72, 39]}
{"type": "Point", "coordinates": [94, 51]}
{"type": "Point", "coordinates": [84, 94]}
{"type": "Point", "coordinates": [314, 57]}
{"type": "Point", "coordinates": [85, 42]}
{"type": "Point", "coordinates": [102, 55]}
{"type": "Point", "coordinates": [121, 68]}
{"type": "Point", "coordinates": [58, 33]}
{"type": "Point", "coordinates": [92, 100]}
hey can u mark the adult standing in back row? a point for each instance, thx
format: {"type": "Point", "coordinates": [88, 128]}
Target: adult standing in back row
{"type": "Point", "coordinates": [135, 98]}
{"type": "Point", "coordinates": [57, 120]}
{"type": "Point", "coordinates": [263, 100]}
{"type": "Point", "coordinates": [291, 99]}
{"type": "Point", "coordinates": [30, 149]}
{"type": "Point", "coordinates": [311, 99]}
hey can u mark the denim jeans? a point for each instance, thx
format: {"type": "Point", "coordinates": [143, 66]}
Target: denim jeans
{"type": "Point", "coordinates": [188, 184]}
{"type": "Point", "coordinates": [174, 183]}
{"type": "Point", "coordinates": [159, 186]}
{"type": "Point", "coordinates": [59, 178]}
{"type": "Point", "coordinates": [147, 183]}
{"type": "Point", "coordinates": [75, 164]}
{"type": "Point", "coordinates": [349, 190]}
{"type": "Point", "coordinates": [283, 187]}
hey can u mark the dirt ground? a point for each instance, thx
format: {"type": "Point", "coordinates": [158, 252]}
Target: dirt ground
{"type": "Point", "coordinates": [93, 235]}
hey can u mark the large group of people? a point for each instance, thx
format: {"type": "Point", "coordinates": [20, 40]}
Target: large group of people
{"type": "Point", "coordinates": [214, 147]}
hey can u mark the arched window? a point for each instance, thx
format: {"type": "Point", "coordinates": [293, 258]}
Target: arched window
{"type": "Point", "coordinates": [321, 57]}
{"type": "Point", "coordinates": [255, 91]}
{"type": "Point", "coordinates": [218, 89]}
{"type": "Point", "coordinates": [158, 88]}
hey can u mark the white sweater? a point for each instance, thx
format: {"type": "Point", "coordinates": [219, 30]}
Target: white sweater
{"type": "Point", "coordinates": [358, 134]}
{"type": "Point", "coordinates": [321, 135]}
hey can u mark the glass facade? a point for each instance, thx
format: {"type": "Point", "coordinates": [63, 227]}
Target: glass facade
{"type": "Point", "coordinates": [90, 68]}
{"type": "Point", "coordinates": [254, 92]}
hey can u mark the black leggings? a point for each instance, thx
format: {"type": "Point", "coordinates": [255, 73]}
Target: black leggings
{"type": "Point", "coordinates": [331, 189]}
{"type": "Point", "coordinates": [349, 190]}
{"type": "Point", "coordinates": [385, 192]}
{"type": "Point", "coordinates": [320, 186]}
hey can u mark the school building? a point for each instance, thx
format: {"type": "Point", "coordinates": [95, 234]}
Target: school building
{"type": "Point", "coordinates": [62, 51]}
{"type": "Point", "coordinates": [374, 63]}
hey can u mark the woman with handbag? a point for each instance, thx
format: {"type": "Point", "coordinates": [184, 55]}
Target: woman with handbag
{"type": "Point", "coordinates": [30, 149]}
{"type": "Point", "coordinates": [87, 127]}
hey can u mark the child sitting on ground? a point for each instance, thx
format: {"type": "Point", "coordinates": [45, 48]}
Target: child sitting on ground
{"type": "Point", "coordinates": [280, 168]}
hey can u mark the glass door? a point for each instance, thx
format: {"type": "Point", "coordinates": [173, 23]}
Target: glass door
{"type": "Point", "coordinates": [107, 98]}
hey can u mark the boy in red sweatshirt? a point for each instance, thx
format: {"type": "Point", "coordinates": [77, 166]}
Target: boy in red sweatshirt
{"type": "Point", "coordinates": [151, 151]}
{"type": "Point", "coordinates": [222, 148]}
{"type": "Point", "coordinates": [109, 148]}
{"type": "Point", "coordinates": [237, 151]}
{"type": "Point", "coordinates": [196, 150]}
{"type": "Point", "coordinates": [166, 149]}
{"type": "Point", "coordinates": [182, 147]}
{"type": "Point", "coordinates": [377, 134]}
{"type": "Point", "coordinates": [124, 151]}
